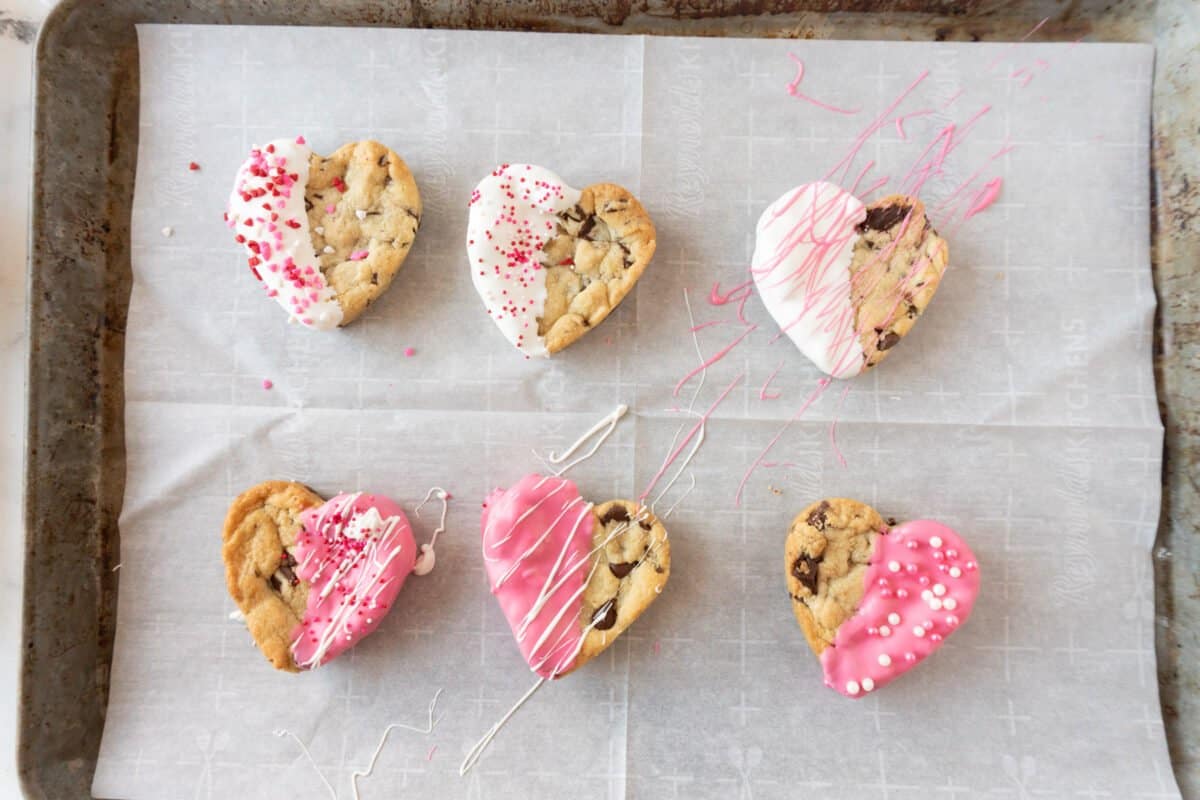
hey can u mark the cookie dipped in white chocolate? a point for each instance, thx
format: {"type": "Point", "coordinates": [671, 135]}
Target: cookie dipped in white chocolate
{"type": "Point", "coordinates": [801, 267]}
{"type": "Point", "coordinates": [268, 217]}
{"type": "Point", "coordinates": [513, 213]}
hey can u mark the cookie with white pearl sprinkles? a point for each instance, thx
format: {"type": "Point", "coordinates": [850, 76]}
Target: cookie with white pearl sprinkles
{"type": "Point", "coordinates": [324, 236]}
{"type": "Point", "coordinates": [875, 600]}
{"type": "Point", "coordinates": [551, 262]}
{"type": "Point", "coordinates": [313, 577]}
{"type": "Point", "coordinates": [570, 575]}
{"type": "Point", "coordinates": [846, 281]}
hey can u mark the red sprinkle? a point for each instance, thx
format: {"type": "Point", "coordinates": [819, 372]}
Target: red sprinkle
{"type": "Point", "coordinates": [193, 166]}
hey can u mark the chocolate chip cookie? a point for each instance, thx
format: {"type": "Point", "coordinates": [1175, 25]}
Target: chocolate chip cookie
{"type": "Point", "coordinates": [601, 246]}
{"type": "Point", "coordinates": [260, 531]}
{"type": "Point", "coordinates": [826, 555]}
{"type": "Point", "coordinates": [363, 211]}
{"type": "Point", "coordinates": [631, 561]}
{"type": "Point", "coordinates": [897, 263]}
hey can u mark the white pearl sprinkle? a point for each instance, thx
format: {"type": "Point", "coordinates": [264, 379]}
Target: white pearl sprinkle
{"type": "Point", "coordinates": [360, 213]}
{"type": "Point", "coordinates": [935, 541]}
{"type": "Point", "coordinates": [167, 231]}
{"type": "Point", "coordinates": [894, 618]}
{"type": "Point", "coordinates": [949, 604]}
{"type": "Point", "coordinates": [884, 630]}
{"type": "Point", "coordinates": [320, 229]}
{"type": "Point", "coordinates": [885, 660]}
{"type": "Point", "coordinates": [926, 594]}
{"type": "Point", "coordinates": [851, 687]}
{"type": "Point", "coordinates": [918, 631]}
{"type": "Point", "coordinates": [939, 589]}
{"type": "Point", "coordinates": [369, 620]}
{"type": "Point", "coordinates": [868, 684]}
{"type": "Point", "coordinates": [955, 572]}
{"type": "Point", "coordinates": [327, 249]}
{"type": "Point", "coordinates": [894, 566]}
{"type": "Point", "coordinates": [935, 604]}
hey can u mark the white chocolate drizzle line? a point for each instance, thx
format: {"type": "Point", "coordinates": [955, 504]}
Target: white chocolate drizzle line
{"type": "Point", "coordinates": [428, 729]}
{"type": "Point", "coordinates": [691, 410]}
{"type": "Point", "coordinates": [477, 751]}
{"type": "Point", "coordinates": [604, 427]}
{"type": "Point", "coordinates": [354, 776]}
{"type": "Point", "coordinates": [338, 626]}
{"type": "Point", "coordinates": [426, 559]}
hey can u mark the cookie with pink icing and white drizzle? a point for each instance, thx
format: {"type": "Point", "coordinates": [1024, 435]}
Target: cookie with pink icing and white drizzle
{"type": "Point", "coordinates": [313, 578]}
{"type": "Point", "coordinates": [551, 262]}
{"type": "Point", "coordinates": [846, 281]}
{"type": "Point", "coordinates": [570, 575]}
{"type": "Point", "coordinates": [324, 235]}
{"type": "Point", "coordinates": [875, 600]}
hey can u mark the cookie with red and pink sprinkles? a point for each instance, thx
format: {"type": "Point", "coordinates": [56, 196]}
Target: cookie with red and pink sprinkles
{"type": "Point", "coordinates": [311, 577]}
{"type": "Point", "coordinates": [875, 599]}
{"type": "Point", "coordinates": [552, 262]}
{"type": "Point", "coordinates": [325, 236]}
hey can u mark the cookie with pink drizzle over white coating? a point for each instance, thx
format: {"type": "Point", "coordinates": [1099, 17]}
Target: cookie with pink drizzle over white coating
{"type": "Point", "coordinates": [551, 262]}
{"type": "Point", "coordinates": [314, 578]}
{"type": "Point", "coordinates": [846, 281]}
{"type": "Point", "coordinates": [570, 576]}
{"type": "Point", "coordinates": [874, 601]}
{"type": "Point", "coordinates": [324, 235]}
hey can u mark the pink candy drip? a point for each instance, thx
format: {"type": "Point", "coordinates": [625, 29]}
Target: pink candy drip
{"type": "Point", "coordinates": [921, 585]}
{"type": "Point", "coordinates": [353, 581]}
{"type": "Point", "coordinates": [537, 536]}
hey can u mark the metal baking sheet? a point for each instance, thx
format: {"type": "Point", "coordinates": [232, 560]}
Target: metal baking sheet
{"type": "Point", "coordinates": [86, 142]}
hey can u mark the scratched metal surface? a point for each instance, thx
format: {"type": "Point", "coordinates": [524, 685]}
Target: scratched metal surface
{"type": "Point", "coordinates": [86, 143]}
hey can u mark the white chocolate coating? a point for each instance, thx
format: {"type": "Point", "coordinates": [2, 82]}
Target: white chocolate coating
{"type": "Point", "coordinates": [267, 214]}
{"type": "Point", "coordinates": [512, 216]}
{"type": "Point", "coordinates": [801, 267]}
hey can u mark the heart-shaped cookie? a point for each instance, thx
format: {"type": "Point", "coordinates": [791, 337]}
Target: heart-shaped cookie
{"type": "Point", "coordinates": [313, 578]}
{"type": "Point", "coordinates": [874, 601]}
{"type": "Point", "coordinates": [846, 281]}
{"type": "Point", "coordinates": [324, 236]}
{"type": "Point", "coordinates": [551, 262]}
{"type": "Point", "coordinates": [570, 576]}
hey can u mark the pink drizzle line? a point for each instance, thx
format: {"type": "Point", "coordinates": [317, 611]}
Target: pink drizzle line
{"type": "Point", "coordinates": [700, 423]}
{"type": "Point", "coordinates": [822, 383]}
{"type": "Point", "coordinates": [833, 428]}
{"type": "Point", "coordinates": [719, 355]}
{"type": "Point", "coordinates": [985, 197]}
{"type": "Point", "coordinates": [794, 90]}
{"type": "Point", "coordinates": [762, 393]}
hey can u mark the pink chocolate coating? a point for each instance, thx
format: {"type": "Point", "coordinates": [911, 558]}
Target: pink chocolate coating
{"type": "Point", "coordinates": [355, 552]}
{"type": "Point", "coordinates": [537, 537]}
{"type": "Point", "coordinates": [921, 585]}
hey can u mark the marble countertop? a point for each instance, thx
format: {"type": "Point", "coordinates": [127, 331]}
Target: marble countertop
{"type": "Point", "coordinates": [18, 28]}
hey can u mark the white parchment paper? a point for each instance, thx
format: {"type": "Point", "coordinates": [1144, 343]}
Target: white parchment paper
{"type": "Point", "coordinates": [1021, 411]}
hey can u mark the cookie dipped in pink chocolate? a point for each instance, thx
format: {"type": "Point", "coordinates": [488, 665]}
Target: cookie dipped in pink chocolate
{"type": "Point", "coordinates": [874, 601]}
{"type": "Point", "coordinates": [920, 587]}
{"type": "Point", "coordinates": [536, 540]}
{"type": "Point", "coordinates": [570, 575]}
{"type": "Point", "coordinates": [355, 552]}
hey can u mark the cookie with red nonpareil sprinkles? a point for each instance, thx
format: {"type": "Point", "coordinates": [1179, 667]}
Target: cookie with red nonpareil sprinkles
{"type": "Point", "coordinates": [873, 599]}
{"type": "Point", "coordinates": [313, 578]}
{"type": "Point", "coordinates": [551, 262]}
{"type": "Point", "coordinates": [324, 236]}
